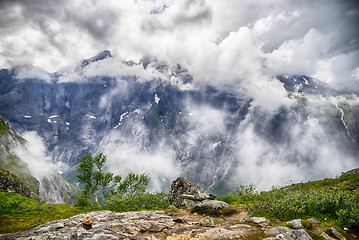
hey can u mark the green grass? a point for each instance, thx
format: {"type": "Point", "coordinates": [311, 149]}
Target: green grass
{"type": "Point", "coordinates": [18, 213]}
{"type": "Point", "coordinates": [333, 201]}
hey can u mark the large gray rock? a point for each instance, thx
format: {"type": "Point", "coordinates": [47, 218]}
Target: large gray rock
{"type": "Point", "coordinates": [299, 234]}
{"type": "Point", "coordinates": [186, 194]}
{"type": "Point", "coordinates": [261, 221]}
{"type": "Point", "coordinates": [296, 223]}
{"type": "Point", "coordinates": [220, 234]}
{"type": "Point", "coordinates": [276, 230]}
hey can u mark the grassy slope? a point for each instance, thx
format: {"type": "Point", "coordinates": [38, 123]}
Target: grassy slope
{"type": "Point", "coordinates": [18, 213]}
{"type": "Point", "coordinates": [332, 201]}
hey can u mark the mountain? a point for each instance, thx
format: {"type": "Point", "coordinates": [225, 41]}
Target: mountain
{"type": "Point", "coordinates": [21, 171]}
{"type": "Point", "coordinates": [150, 117]}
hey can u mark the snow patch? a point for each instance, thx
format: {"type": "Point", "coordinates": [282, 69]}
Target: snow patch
{"type": "Point", "coordinates": [92, 117]}
{"type": "Point", "coordinates": [121, 118]}
{"type": "Point", "coordinates": [305, 81]}
{"type": "Point", "coordinates": [53, 116]}
{"type": "Point", "coordinates": [67, 123]}
{"type": "Point", "coordinates": [49, 120]}
{"type": "Point", "coordinates": [27, 116]}
{"type": "Point", "coordinates": [157, 99]}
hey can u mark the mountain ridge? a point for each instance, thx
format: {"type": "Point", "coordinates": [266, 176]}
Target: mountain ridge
{"type": "Point", "coordinates": [200, 132]}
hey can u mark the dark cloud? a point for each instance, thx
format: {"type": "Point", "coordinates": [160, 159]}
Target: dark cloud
{"type": "Point", "coordinates": [221, 42]}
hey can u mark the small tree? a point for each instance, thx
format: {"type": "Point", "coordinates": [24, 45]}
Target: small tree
{"type": "Point", "coordinates": [93, 177]}
{"type": "Point", "coordinates": [132, 185]}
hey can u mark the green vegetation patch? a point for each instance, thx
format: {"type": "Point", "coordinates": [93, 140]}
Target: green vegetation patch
{"type": "Point", "coordinates": [20, 169]}
{"type": "Point", "coordinates": [331, 200]}
{"type": "Point", "coordinates": [4, 128]}
{"type": "Point", "coordinates": [18, 213]}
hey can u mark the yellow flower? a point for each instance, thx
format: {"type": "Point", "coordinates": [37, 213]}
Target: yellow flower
{"type": "Point", "coordinates": [325, 219]}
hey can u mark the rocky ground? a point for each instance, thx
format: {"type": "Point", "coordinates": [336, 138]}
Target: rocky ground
{"type": "Point", "coordinates": [170, 224]}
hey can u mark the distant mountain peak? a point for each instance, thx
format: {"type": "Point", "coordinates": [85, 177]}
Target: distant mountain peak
{"type": "Point", "coordinates": [100, 56]}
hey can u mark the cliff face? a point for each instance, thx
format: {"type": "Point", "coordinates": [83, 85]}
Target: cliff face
{"type": "Point", "coordinates": [11, 183]}
{"type": "Point", "coordinates": [9, 161]}
{"type": "Point", "coordinates": [214, 136]}
{"type": "Point", "coordinates": [21, 174]}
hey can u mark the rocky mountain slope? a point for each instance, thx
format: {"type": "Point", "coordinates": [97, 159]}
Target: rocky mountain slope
{"type": "Point", "coordinates": [149, 117]}
{"type": "Point", "coordinates": [20, 170]}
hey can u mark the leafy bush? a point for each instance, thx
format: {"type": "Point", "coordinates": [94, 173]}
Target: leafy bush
{"type": "Point", "coordinates": [242, 194]}
{"type": "Point", "coordinates": [349, 216]}
{"type": "Point", "coordinates": [140, 201]}
{"type": "Point", "coordinates": [326, 199]}
{"type": "Point", "coordinates": [288, 204]}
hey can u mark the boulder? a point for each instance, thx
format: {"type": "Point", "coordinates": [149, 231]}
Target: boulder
{"type": "Point", "coordinates": [211, 206]}
{"type": "Point", "coordinates": [261, 221]}
{"type": "Point", "coordinates": [276, 230]}
{"type": "Point", "coordinates": [296, 223]}
{"type": "Point", "coordinates": [186, 194]}
{"type": "Point", "coordinates": [295, 234]}
{"type": "Point", "coordinates": [207, 222]}
{"type": "Point", "coordinates": [220, 234]}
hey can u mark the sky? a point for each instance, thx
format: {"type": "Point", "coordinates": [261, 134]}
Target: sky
{"type": "Point", "coordinates": [230, 42]}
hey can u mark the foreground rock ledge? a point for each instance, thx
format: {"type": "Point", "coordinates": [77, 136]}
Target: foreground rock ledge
{"type": "Point", "coordinates": [151, 225]}
{"type": "Point", "coordinates": [128, 225]}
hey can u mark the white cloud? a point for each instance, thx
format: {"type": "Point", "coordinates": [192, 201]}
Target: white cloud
{"type": "Point", "coordinates": [220, 42]}
{"type": "Point", "coordinates": [126, 155]}
{"type": "Point", "coordinates": [340, 71]}
{"type": "Point", "coordinates": [305, 156]}
{"type": "Point", "coordinates": [35, 155]}
{"type": "Point", "coordinates": [30, 72]}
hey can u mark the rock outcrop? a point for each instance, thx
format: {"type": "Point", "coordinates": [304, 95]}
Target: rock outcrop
{"type": "Point", "coordinates": [11, 183]}
{"type": "Point", "coordinates": [185, 194]}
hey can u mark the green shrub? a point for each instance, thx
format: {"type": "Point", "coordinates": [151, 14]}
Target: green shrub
{"type": "Point", "coordinates": [242, 194]}
{"type": "Point", "coordinates": [287, 205]}
{"type": "Point", "coordinates": [140, 201]}
{"type": "Point", "coordinates": [349, 217]}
